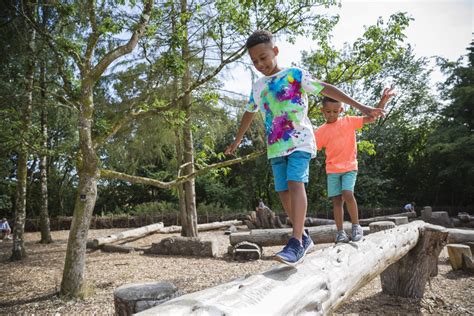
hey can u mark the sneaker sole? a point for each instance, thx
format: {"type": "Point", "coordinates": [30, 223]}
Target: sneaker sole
{"type": "Point", "coordinates": [310, 247]}
{"type": "Point", "coordinates": [291, 264]}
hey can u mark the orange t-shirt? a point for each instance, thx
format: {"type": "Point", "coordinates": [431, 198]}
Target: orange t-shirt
{"type": "Point", "coordinates": [339, 139]}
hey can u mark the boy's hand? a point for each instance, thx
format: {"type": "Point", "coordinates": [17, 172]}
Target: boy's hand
{"type": "Point", "coordinates": [373, 112]}
{"type": "Point", "coordinates": [387, 94]}
{"type": "Point", "coordinates": [232, 147]}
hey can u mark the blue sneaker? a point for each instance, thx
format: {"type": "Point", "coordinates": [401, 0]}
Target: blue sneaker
{"type": "Point", "coordinates": [292, 253]}
{"type": "Point", "coordinates": [357, 232]}
{"type": "Point", "coordinates": [307, 242]}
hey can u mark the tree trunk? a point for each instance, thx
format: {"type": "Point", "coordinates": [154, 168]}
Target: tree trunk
{"type": "Point", "coordinates": [180, 187]}
{"type": "Point", "coordinates": [18, 249]}
{"type": "Point", "coordinates": [318, 286]}
{"type": "Point", "coordinates": [73, 282]}
{"type": "Point", "coordinates": [190, 227]}
{"type": "Point", "coordinates": [44, 215]}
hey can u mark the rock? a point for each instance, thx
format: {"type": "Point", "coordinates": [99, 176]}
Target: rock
{"type": "Point", "coordinates": [133, 298]}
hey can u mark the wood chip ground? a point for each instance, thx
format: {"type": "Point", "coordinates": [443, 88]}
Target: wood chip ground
{"type": "Point", "coordinates": [31, 286]}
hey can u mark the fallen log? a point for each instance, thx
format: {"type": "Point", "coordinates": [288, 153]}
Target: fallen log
{"type": "Point", "coordinates": [367, 221]}
{"type": "Point", "coordinates": [201, 227]}
{"type": "Point", "coordinates": [127, 235]}
{"type": "Point", "coordinates": [460, 236]}
{"type": "Point", "coordinates": [311, 221]}
{"type": "Point", "coordinates": [136, 233]}
{"type": "Point", "coordinates": [317, 286]}
{"type": "Point", "coordinates": [275, 237]}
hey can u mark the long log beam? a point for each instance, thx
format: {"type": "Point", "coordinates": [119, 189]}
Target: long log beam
{"type": "Point", "coordinates": [317, 286]}
{"type": "Point", "coordinates": [128, 234]}
{"type": "Point", "coordinates": [460, 236]}
{"type": "Point", "coordinates": [275, 237]}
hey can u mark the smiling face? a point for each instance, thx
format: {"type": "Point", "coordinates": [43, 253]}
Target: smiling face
{"type": "Point", "coordinates": [331, 111]}
{"type": "Point", "coordinates": [263, 57]}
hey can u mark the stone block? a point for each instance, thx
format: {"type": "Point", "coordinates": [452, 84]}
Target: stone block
{"type": "Point", "coordinates": [133, 298]}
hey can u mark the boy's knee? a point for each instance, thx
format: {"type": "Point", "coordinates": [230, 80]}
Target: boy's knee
{"type": "Point", "coordinates": [337, 199]}
{"type": "Point", "coordinates": [348, 195]}
{"type": "Point", "coordinates": [296, 185]}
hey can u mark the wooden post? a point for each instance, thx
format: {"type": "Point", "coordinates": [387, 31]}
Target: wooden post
{"type": "Point", "coordinates": [456, 252]}
{"type": "Point", "coordinates": [408, 276]}
{"type": "Point", "coordinates": [426, 213]}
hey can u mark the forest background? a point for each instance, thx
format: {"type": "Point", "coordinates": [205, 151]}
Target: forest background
{"type": "Point", "coordinates": [422, 151]}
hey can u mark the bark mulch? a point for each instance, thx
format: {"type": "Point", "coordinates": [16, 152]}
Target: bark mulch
{"type": "Point", "coordinates": [31, 286]}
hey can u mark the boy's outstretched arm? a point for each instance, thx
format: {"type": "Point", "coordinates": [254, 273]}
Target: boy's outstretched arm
{"type": "Point", "coordinates": [387, 94]}
{"type": "Point", "coordinates": [336, 94]}
{"type": "Point", "coordinates": [244, 125]}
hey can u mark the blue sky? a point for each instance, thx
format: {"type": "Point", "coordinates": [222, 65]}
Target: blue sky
{"type": "Point", "coordinates": [441, 28]}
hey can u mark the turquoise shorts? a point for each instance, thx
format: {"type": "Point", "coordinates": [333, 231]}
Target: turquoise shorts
{"type": "Point", "coordinates": [338, 182]}
{"type": "Point", "coordinates": [294, 167]}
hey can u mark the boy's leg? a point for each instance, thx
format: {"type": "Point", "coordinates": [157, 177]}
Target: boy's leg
{"type": "Point", "coordinates": [338, 211]}
{"type": "Point", "coordinates": [299, 205]}
{"type": "Point", "coordinates": [297, 176]}
{"type": "Point", "coordinates": [335, 192]}
{"type": "Point", "coordinates": [295, 203]}
{"type": "Point", "coordinates": [348, 184]}
{"type": "Point", "coordinates": [285, 199]}
{"type": "Point", "coordinates": [351, 203]}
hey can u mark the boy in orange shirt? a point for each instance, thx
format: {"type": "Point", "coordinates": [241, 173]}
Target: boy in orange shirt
{"type": "Point", "coordinates": [337, 135]}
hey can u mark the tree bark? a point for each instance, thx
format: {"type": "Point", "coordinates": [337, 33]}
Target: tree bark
{"type": "Point", "coordinates": [190, 226]}
{"type": "Point", "coordinates": [18, 249]}
{"type": "Point", "coordinates": [44, 214]}
{"type": "Point", "coordinates": [408, 276]}
{"type": "Point", "coordinates": [73, 280]}
{"type": "Point", "coordinates": [318, 286]}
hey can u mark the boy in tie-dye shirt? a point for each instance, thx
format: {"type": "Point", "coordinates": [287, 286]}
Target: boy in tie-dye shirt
{"type": "Point", "coordinates": [282, 96]}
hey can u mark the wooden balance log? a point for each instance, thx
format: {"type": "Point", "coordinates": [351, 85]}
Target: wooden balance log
{"type": "Point", "coordinates": [318, 285]}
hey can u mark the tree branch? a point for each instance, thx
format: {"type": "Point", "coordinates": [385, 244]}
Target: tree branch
{"type": "Point", "coordinates": [114, 175]}
{"type": "Point", "coordinates": [99, 69]}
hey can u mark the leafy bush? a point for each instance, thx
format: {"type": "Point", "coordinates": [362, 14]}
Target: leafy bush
{"type": "Point", "coordinates": [155, 207]}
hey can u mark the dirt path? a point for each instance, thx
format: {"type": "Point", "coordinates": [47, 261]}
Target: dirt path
{"type": "Point", "coordinates": [30, 287]}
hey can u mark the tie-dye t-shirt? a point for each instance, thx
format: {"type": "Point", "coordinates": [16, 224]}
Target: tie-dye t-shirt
{"type": "Point", "coordinates": [283, 100]}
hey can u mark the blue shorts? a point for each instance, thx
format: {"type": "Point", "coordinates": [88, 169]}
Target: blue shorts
{"type": "Point", "coordinates": [294, 167]}
{"type": "Point", "coordinates": [338, 182]}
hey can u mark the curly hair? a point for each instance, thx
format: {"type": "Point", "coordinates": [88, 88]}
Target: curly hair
{"type": "Point", "coordinates": [259, 37]}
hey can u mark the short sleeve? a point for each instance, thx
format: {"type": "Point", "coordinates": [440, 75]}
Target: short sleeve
{"type": "Point", "coordinates": [318, 135]}
{"type": "Point", "coordinates": [251, 104]}
{"type": "Point", "coordinates": [356, 121]}
{"type": "Point", "coordinates": [310, 85]}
